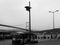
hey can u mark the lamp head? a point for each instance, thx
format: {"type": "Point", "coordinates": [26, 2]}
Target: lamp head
{"type": "Point", "coordinates": [27, 8]}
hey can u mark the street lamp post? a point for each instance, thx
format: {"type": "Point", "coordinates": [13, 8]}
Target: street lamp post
{"type": "Point", "coordinates": [28, 9]}
{"type": "Point", "coordinates": [53, 17]}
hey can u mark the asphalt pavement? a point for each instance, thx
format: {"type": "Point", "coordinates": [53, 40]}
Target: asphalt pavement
{"type": "Point", "coordinates": [49, 42]}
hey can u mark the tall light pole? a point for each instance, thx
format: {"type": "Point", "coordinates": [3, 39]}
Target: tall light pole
{"type": "Point", "coordinates": [28, 9]}
{"type": "Point", "coordinates": [53, 12]}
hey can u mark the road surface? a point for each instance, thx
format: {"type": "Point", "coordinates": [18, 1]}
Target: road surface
{"type": "Point", "coordinates": [49, 42]}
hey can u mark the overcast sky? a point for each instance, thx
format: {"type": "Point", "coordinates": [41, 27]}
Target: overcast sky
{"type": "Point", "coordinates": [12, 12]}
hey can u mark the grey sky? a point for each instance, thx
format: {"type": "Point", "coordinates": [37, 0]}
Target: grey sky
{"type": "Point", "coordinates": [12, 12]}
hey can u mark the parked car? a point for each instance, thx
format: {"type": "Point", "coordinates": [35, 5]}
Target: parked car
{"type": "Point", "coordinates": [24, 38]}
